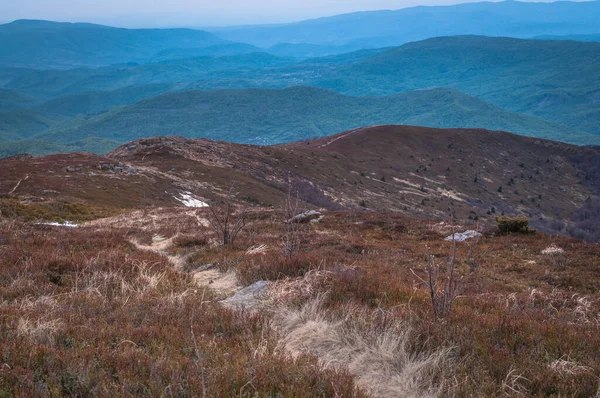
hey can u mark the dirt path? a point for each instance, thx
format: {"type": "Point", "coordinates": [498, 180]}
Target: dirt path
{"type": "Point", "coordinates": [160, 245]}
{"type": "Point", "coordinates": [224, 284]}
{"type": "Point", "coordinates": [18, 183]}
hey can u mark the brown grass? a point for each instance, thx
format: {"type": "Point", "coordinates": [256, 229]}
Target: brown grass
{"type": "Point", "coordinates": [523, 324]}
{"type": "Point", "coordinates": [84, 313]}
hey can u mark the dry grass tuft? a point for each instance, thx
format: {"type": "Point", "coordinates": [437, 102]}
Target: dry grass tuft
{"type": "Point", "coordinates": [566, 367]}
{"type": "Point", "coordinates": [377, 354]}
{"type": "Point", "coordinates": [39, 330]}
{"type": "Point", "coordinates": [296, 289]}
{"type": "Point", "coordinates": [512, 386]}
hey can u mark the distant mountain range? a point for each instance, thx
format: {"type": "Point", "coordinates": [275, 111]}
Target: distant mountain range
{"type": "Point", "coordinates": [45, 44]}
{"type": "Point", "coordinates": [271, 116]}
{"type": "Point", "coordinates": [67, 86]}
{"type": "Point", "coordinates": [393, 28]}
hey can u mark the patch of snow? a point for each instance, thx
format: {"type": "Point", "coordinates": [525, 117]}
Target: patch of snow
{"type": "Point", "coordinates": [463, 236]}
{"type": "Point", "coordinates": [67, 224]}
{"type": "Point", "coordinates": [188, 200]}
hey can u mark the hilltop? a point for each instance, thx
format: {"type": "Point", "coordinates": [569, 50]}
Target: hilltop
{"type": "Point", "coordinates": [410, 170]}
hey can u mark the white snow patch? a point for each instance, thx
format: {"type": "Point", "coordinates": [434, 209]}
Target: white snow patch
{"type": "Point", "coordinates": [67, 224]}
{"type": "Point", "coordinates": [463, 236]}
{"type": "Point", "coordinates": [188, 200]}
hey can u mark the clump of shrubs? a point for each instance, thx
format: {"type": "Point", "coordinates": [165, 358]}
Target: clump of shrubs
{"type": "Point", "coordinates": [519, 225]}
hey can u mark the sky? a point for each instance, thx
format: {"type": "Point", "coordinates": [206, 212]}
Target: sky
{"type": "Point", "coordinates": [191, 13]}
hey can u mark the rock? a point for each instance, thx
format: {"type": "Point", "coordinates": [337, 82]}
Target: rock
{"type": "Point", "coordinates": [204, 267]}
{"type": "Point", "coordinates": [307, 216]}
{"type": "Point", "coordinates": [463, 236]}
{"type": "Point", "coordinates": [249, 298]}
{"type": "Point", "coordinates": [70, 169]}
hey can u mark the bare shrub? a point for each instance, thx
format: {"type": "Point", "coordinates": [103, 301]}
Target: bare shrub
{"type": "Point", "coordinates": [475, 254]}
{"type": "Point", "coordinates": [225, 225]}
{"type": "Point", "coordinates": [442, 283]}
{"type": "Point", "coordinates": [291, 241]}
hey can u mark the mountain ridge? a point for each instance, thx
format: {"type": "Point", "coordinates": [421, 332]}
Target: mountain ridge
{"type": "Point", "coordinates": [270, 116]}
{"type": "Point", "coordinates": [407, 169]}
{"type": "Point", "coordinates": [381, 28]}
{"type": "Point", "coordinates": [38, 43]}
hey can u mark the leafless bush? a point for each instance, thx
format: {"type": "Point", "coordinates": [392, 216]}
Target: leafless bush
{"type": "Point", "coordinates": [442, 282]}
{"type": "Point", "coordinates": [292, 238]}
{"type": "Point", "coordinates": [225, 225]}
{"type": "Point", "coordinates": [475, 253]}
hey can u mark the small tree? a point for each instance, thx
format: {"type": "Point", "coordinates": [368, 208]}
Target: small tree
{"type": "Point", "coordinates": [223, 222]}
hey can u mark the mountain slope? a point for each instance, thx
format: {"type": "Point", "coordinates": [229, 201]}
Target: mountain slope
{"type": "Point", "coordinates": [275, 116]}
{"type": "Point", "coordinates": [389, 28]}
{"type": "Point", "coordinates": [10, 100]}
{"type": "Point", "coordinates": [24, 123]}
{"type": "Point", "coordinates": [592, 37]}
{"type": "Point", "coordinates": [219, 50]}
{"type": "Point", "coordinates": [97, 101]}
{"type": "Point", "coordinates": [529, 76]}
{"type": "Point", "coordinates": [53, 83]}
{"type": "Point", "coordinates": [413, 170]}
{"type": "Point", "coordinates": [45, 44]}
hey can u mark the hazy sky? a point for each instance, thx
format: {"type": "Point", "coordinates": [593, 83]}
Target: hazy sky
{"type": "Point", "coordinates": [160, 13]}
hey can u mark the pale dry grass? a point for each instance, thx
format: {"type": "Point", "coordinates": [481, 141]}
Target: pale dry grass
{"type": "Point", "coordinates": [258, 249]}
{"type": "Point", "coordinates": [512, 385]}
{"type": "Point", "coordinates": [566, 367]}
{"type": "Point", "coordinates": [379, 357]}
{"type": "Point", "coordinates": [40, 330]}
{"type": "Point", "coordinates": [289, 289]}
{"type": "Point", "coordinates": [573, 308]}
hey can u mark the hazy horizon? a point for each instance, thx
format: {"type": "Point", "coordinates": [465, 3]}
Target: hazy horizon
{"type": "Point", "coordinates": [189, 13]}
